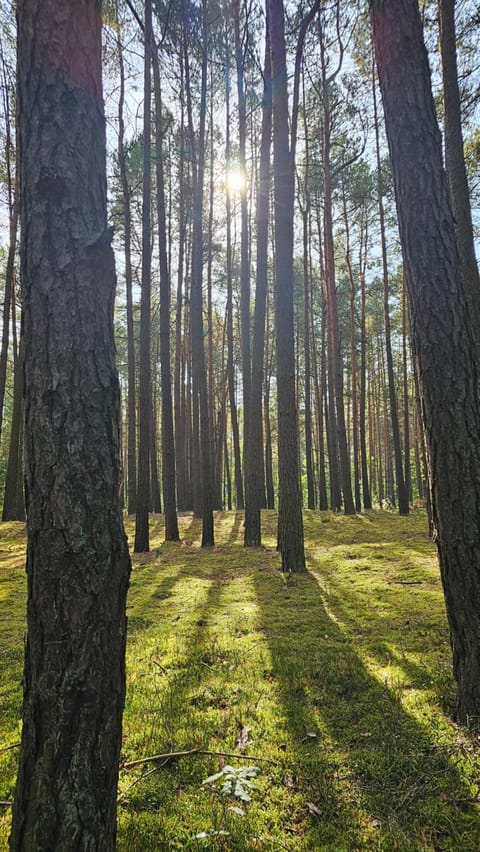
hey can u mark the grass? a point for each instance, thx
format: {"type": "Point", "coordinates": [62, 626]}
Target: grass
{"type": "Point", "coordinates": [342, 677]}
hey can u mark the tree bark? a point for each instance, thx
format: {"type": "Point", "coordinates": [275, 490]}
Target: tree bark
{"type": "Point", "coordinates": [254, 461]}
{"type": "Point", "coordinates": [13, 199]}
{"type": "Point", "coordinates": [180, 441]}
{"type": "Point", "coordinates": [7, 298]}
{"type": "Point", "coordinates": [237, 455]}
{"type": "Point", "coordinates": [77, 556]}
{"type": "Point", "coordinates": [168, 439]}
{"type": "Point", "coordinates": [406, 397]}
{"type": "Point", "coordinates": [336, 361]}
{"type": "Point", "coordinates": [367, 499]}
{"type": "Point", "coordinates": [403, 505]}
{"type": "Point", "coordinates": [127, 237]}
{"type": "Point", "coordinates": [200, 390]}
{"type": "Point", "coordinates": [353, 347]}
{"type": "Point", "coordinates": [142, 542]}
{"type": "Point", "coordinates": [444, 341]}
{"type": "Point", "coordinates": [244, 234]}
{"type": "Point", "coordinates": [454, 158]}
{"type": "Point", "coordinates": [290, 521]}
{"type": "Point", "coordinates": [13, 500]}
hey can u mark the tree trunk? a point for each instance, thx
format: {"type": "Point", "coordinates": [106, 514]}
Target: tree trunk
{"type": "Point", "coordinates": [13, 502]}
{"type": "Point", "coordinates": [454, 158]}
{"type": "Point", "coordinates": [127, 237]}
{"type": "Point", "coordinates": [269, 486]}
{"type": "Point", "coordinates": [180, 440]}
{"type": "Point", "coordinates": [290, 522]}
{"type": "Point", "coordinates": [353, 346]}
{"type": "Point", "coordinates": [444, 341]}
{"type": "Point", "coordinates": [244, 234]}
{"type": "Point", "coordinates": [254, 462]}
{"type": "Point", "coordinates": [332, 301]}
{"type": "Point", "coordinates": [142, 543]}
{"type": "Point", "coordinates": [168, 440]}
{"type": "Point", "coordinates": [7, 298]}
{"type": "Point", "coordinates": [155, 499]}
{"type": "Point", "coordinates": [403, 506]}
{"type": "Point", "coordinates": [13, 199]}
{"type": "Point", "coordinates": [329, 415]}
{"type": "Point", "coordinates": [237, 456]}
{"type": "Point", "coordinates": [77, 557]}
{"type": "Point", "coordinates": [406, 400]}
{"type": "Point", "coordinates": [200, 390]}
{"type": "Point", "coordinates": [320, 392]}
{"type": "Point", "coordinates": [367, 499]}
{"type": "Point", "coordinates": [307, 356]}
{"type": "Point", "coordinates": [216, 499]}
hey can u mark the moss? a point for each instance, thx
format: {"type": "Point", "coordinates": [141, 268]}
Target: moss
{"type": "Point", "coordinates": [343, 677]}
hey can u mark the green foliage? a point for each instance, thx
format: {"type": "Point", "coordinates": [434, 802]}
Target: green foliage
{"type": "Point", "coordinates": [235, 782]}
{"type": "Point", "coordinates": [343, 678]}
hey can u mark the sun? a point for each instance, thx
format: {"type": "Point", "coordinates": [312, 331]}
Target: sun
{"type": "Point", "coordinates": [235, 181]}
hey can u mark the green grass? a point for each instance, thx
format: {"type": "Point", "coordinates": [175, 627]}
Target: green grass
{"type": "Point", "coordinates": [343, 677]}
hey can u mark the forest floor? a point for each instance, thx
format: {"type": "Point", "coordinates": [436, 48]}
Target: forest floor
{"type": "Point", "coordinates": [336, 686]}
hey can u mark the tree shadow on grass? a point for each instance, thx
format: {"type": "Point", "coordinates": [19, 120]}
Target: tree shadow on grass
{"type": "Point", "coordinates": [400, 624]}
{"type": "Point", "coordinates": [379, 529]}
{"type": "Point", "coordinates": [237, 528]}
{"type": "Point", "coordinates": [190, 673]}
{"type": "Point", "coordinates": [378, 776]}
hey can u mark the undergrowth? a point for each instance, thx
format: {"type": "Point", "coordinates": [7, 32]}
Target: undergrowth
{"type": "Point", "coordinates": [335, 685]}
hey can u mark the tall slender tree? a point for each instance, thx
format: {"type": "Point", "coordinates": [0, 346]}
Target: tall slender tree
{"type": "Point", "coordinates": [142, 540]}
{"type": "Point", "coordinates": [200, 389]}
{"type": "Point", "coordinates": [290, 522]}
{"type": "Point", "coordinates": [230, 368]}
{"type": "Point", "coordinates": [241, 39]}
{"type": "Point", "coordinates": [254, 462]}
{"type": "Point", "coordinates": [336, 360]}
{"type": "Point", "coordinates": [127, 241]}
{"type": "Point", "coordinates": [13, 500]}
{"type": "Point", "coordinates": [13, 208]}
{"type": "Point", "coordinates": [403, 505]}
{"type": "Point", "coordinates": [168, 439]}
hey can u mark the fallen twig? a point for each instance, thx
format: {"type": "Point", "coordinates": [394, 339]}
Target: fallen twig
{"type": "Point", "coordinates": [172, 755]}
{"type": "Point", "coordinates": [7, 748]}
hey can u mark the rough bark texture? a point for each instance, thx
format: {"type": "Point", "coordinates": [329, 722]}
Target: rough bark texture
{"type": "Point", "coordinates": [353, 348]}
{"type": "Point", "coordinates": [168, 439]}
{"type": "Point", "coordinates": [77, 558]}
{"type": "Point", "coordinates": [142, 541]}
{"type": "Point", "coordinates": [7, 298]}
{"type": "Point", "coordinates": [442, 334]}
{"type": "Point", "coordinates": [237, 455]}
{"type": "Point", "coordinates": [13, 496]}
{"type": "Point", "coordinates": [307, 356]}
{"type": "Point", "coordinates": [254, 460]}
{"type": "Point", "coordinates": [240, 52]}
{"type": "Point", "coordinates": [403, 505]}
{"type": "Point", "coordinates": [290, 522]}
{"type": "Point", "coordinates": [179, 362]}
{"type": "Point", "coordinates": [454, 158]}
{"type": "Point", "coordinates": [127, 238]}
{"type": "Point", "coordinates": [367, 499]}
{"type": "Point", "coordinates": [199, 372]}
{"type": "Point", "coordinates": [336, 364]}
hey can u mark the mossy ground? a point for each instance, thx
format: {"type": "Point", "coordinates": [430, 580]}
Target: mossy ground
{"type": "Point", "coordinates": [343, 677]}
